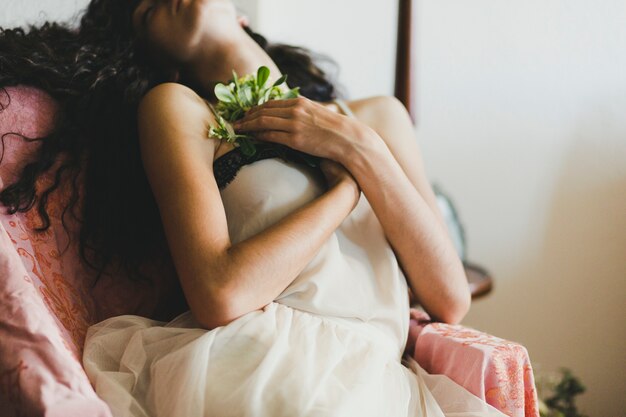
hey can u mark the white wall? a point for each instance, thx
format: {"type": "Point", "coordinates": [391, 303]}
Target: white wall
{"type": "Point", "coordinates": [522, 119]}
{"type": "Point", "coordinates": [21, 12]}
{"type": "Point", "coordinates": [359, 34]}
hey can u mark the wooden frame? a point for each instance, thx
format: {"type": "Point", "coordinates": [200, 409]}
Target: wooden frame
{"type": "Point", "coordinates": [405, 68]}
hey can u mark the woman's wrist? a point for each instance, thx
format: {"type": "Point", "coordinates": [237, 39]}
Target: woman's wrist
{"type": "Point", "coordinates": [348, 191]}
{"type": "Point", "coordinates": [363, 151]}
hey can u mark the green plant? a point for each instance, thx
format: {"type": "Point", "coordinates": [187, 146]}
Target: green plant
{"type": "Point", "coordinates": [557, 395]}
{"type": "Point", "coordinates": [239, 96]}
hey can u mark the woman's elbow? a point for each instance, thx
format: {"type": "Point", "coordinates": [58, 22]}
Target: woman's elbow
{"type": "Point", "coordinates": [212, 320]}
{"type": "Point", "coordinates": [219, 308]}
{"type": "Point", "coordinates": [215, 316]}
{"type": "Point", "coordinates": [457, 308]}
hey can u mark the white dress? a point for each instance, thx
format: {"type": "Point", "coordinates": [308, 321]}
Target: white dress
{"type": "Point", "coordinates": [329, 345]}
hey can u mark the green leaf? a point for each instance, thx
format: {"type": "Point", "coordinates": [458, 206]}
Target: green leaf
{"type": "Point", "coordinates": [236, 115]}
{"type": "Point", "coordinates": [223, 93]}
{"type": "Point", "coordinates": [262, 75]}
{"type": "Point", "coordinates": [247, 147]}
{"type": "Point", "coordinates": [245, 95]}
{"type": "Point", "coordinates": [275, 93]}
{"type": "Point", "coordinates": [280, 80]}
{"type": "Point", "coordinates": [213, 133]}
{"type": "Point", "coordinates": [291, 94]}
{"type": "Point", "coordinates": [235, 79]}
{"type": "Point", "coordinates": [231, 133]}
{"type": "Point", "coordinates": [241, 98]}
{"type": "Point", "coordinates": [266, 96]}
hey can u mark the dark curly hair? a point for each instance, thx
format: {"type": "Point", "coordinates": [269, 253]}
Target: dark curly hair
{"type": "Point", "coordinates": [97, 75]}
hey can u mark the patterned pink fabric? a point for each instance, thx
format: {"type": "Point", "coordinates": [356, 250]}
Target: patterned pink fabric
{"type": "Point", "coordinates": [47, 297]}
{"type": "Point", "coordinates": [47, 301]}
{"type": "Point", "coordinates": [44, 307]}
{"type": "Point", "coordinates": [494, 369]}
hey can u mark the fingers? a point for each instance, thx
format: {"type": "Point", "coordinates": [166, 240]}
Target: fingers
{"type": "Point", "coordinates": [274, 104]}
{"type": "Point", "coordinates": [263, 122]}
{"type": "Point", "coordinates": [275, 136]}
{"type": "Point", "coordinates": [282, 112]}
{"type": "Point", "coordinates": [261, 116]}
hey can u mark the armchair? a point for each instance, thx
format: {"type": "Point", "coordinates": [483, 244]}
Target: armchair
{"type": "Point", "coordinates": [47, 302]}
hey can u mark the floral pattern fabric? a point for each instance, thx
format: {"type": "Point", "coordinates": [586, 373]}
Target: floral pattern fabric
{"type": "Point", "coordinates": [495, 370]}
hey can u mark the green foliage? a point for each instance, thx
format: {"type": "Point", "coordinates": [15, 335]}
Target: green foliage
{"type": "Point", "coordinates": [560, 401]}
{"type": "Point", "coordinates": [239, 96]}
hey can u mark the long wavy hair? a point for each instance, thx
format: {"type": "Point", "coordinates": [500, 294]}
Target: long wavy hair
{"type": "Point", "coordinates": [97, 74]}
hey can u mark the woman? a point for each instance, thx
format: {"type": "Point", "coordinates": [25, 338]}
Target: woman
{"type": "Point", "coordinates": [296, 284]}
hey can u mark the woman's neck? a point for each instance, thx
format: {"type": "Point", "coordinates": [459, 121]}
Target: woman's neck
{"type": "Point", "coordinates": [241, 54]}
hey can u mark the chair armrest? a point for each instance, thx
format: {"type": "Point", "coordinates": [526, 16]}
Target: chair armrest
{"type": "Point", "coordinates": [495, 370]}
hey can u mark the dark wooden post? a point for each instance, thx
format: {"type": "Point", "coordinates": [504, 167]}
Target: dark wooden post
{"type": "Point", "coordinates": [404, 57]}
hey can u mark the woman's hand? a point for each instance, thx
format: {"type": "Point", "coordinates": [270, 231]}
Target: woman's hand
{"type": "Point", "coordinates": [337, 174]}
{"type": "Point", "coordinates": [304, 125]}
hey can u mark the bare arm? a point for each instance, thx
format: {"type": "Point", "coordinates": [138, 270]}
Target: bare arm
{"type": "Point", "coordinates": [386, 163]}
{"type": "Point", "coordinates": [222, 281]}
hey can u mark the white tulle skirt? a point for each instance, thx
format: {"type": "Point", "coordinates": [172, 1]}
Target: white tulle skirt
{"type": "Point", "coordinates": [270, 363]}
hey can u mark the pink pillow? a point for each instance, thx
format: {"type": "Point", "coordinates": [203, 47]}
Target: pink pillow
{"type": "Point", "coordinates": [47, 300]}
{"type": "Point", "coordinates": [42, 317]}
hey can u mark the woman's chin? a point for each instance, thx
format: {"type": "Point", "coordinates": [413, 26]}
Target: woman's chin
{"type": "Point", "coordinates": [215, 5]}
{"type": "Point", "coordinates": [217, 14]}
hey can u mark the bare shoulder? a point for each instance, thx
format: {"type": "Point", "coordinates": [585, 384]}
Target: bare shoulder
{"type": "Point", "coordinates": [172, 111]}
{"type": "Point", "coordinates": [381, 113]}
{"type": "Point", "coordinates": [173, 119]}
{"type": "Point", "coordinates": [173, 98]}
{"type": "Point", "coordinates": [387, 116]}
{"type": "Point", "coordinates": [373, 109]}
{"type": "Point", "coordinates": [172, 90]}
